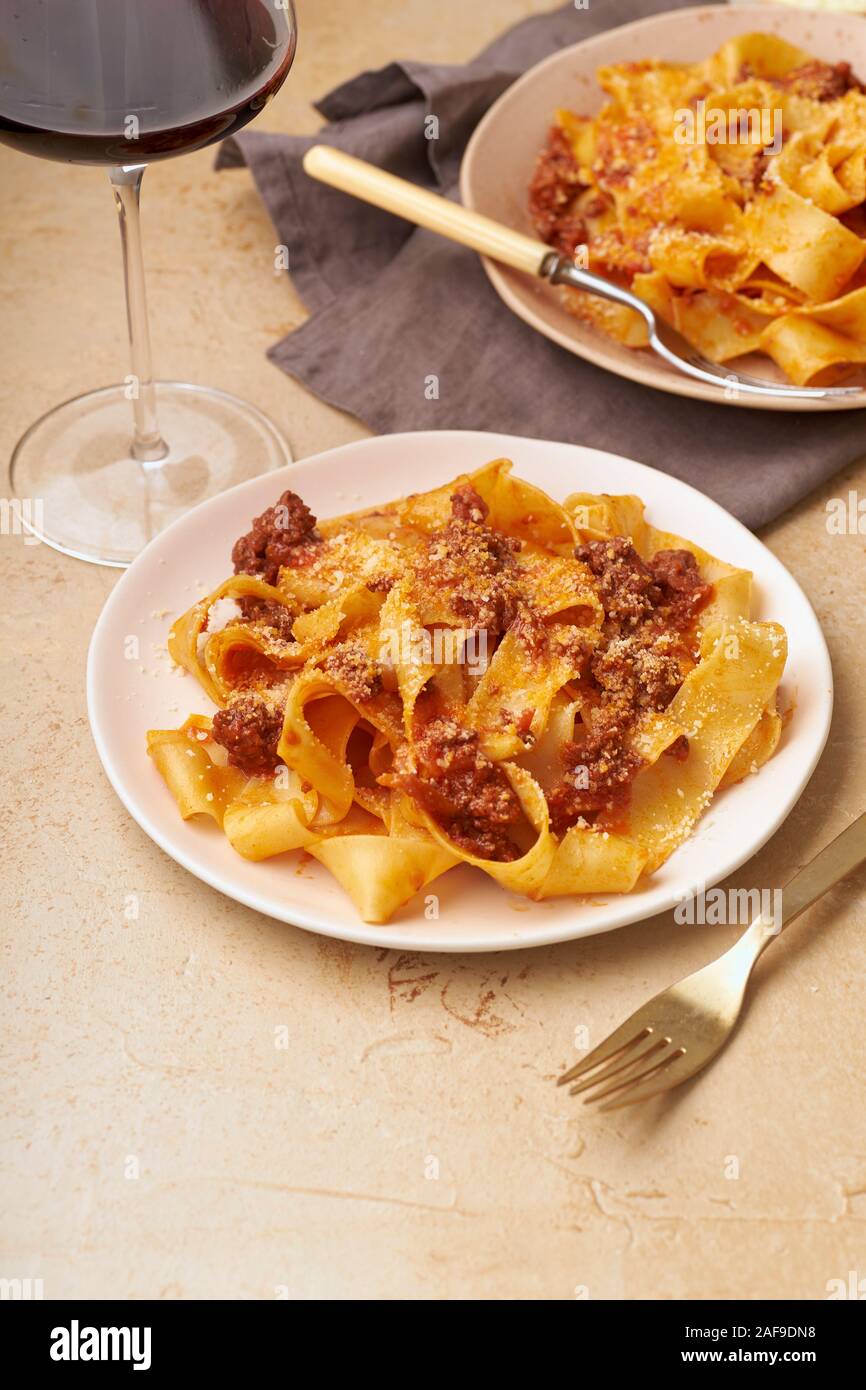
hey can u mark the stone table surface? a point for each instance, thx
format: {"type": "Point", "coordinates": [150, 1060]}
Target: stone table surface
{"type": "Point", "coordinates": [409, 1143]}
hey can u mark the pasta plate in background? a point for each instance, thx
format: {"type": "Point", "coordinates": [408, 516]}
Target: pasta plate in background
{"type": "Point", "coordinates": [729, 195]}
{"type": "Point", "coordinates": [477, 674]}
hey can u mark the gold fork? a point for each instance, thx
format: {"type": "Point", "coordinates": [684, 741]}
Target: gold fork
{"type": "Point", "coordinates": [521, 252]}
{"type": "Point", "coordinates": [680, 1030]}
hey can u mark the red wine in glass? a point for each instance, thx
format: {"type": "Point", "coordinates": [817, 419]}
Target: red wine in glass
{"type": "Point", "coordinates": [93, 83]}
{"type": "Point", "coordinates": [123, 83]}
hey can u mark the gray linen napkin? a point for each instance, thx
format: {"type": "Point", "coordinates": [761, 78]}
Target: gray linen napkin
{"type": "Point", "coordinates": [392, 306]}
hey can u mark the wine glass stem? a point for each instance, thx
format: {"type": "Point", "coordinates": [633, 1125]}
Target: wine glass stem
{"type": "Point", "coordinates": [147, 445]}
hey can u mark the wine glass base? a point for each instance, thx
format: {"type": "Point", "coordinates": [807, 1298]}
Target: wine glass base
{"type": "Point", "coordinates": [84, 494]}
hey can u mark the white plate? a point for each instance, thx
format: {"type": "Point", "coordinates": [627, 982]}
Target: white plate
{"type": "Point", "coordinates": [500, 157]}
{"type": "Point", "coordinates": [129, 694]}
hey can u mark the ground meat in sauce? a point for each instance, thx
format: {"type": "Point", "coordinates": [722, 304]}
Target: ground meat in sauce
{"type": "Point", "coordinates": [815, 79]}
{"type": "Point", "coordinates": [650, 612]}
{"type": "Point", "coordinates": [249, 730]}
{"type": "Point", "coordinates": [267, 612]}
{"type": "Point", "coordinates": [641, 671]}
{"type": "Point", "coordinates": [542, 643]}
{"type": "Point", "coordinates": [627, 589]}
{"type": "Point", "coordinates": [469, 796]}
{"type": "Point", "coordinates": [475, 566]}
{"type": "Point", "coordinates": [529, 628]}
{"type": "Point", "coordinates": [275, 538]}
{"type": "Point", "coordinates": [555, 185]}
{"type": "Point", "coordinates": [684, 593]}
{"type": "Point", "coordinates": [575, 646]}
{"type": "Point", "coordinates": [635, 672]}
{"type": "Point", "coordinates": [820, 81]}
{"type": "Point", "coordinates": [353, 668]}
{"type": "Point", "coordinates": [599, 772]}
{"type": "Point", "coordinates": [631, 590]}
{"type": "Point", "coordinates": [469, 505]}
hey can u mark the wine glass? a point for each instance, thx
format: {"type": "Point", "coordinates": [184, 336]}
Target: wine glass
{"type": "Point", "coordinates": [121, 83]}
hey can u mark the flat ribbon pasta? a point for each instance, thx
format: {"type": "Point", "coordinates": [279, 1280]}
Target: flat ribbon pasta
{"type": "Point", "coordinates": [728, 194]}
{"type": "Point", "coordinates": [477, 675]}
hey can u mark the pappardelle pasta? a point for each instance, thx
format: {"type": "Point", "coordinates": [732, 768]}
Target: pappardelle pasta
{"type": "Point", "coordinates": [729, 195]}
{"type": "Point", "coordinates": [472, 675]}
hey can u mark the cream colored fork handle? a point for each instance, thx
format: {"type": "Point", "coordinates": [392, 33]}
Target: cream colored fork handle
{"type": "Point", "coordinates": [426, 209]}
{"type": "Point", "coordinates": [834, 862]}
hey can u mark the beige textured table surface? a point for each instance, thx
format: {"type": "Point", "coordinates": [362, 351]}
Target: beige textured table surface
{"type": "Point", "coordinates": [311, 1169]}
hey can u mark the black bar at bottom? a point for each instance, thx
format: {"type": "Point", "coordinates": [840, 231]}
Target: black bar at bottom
{"type": "Point", "coordinates": [158, 1338]}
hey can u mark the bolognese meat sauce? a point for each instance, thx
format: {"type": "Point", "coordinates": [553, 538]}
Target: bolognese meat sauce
{"type": "Point", "coordinates": [249, 729]}
{"type": "Point", "coordinates": [668, 587]}
{"type": "Point", "coordinates": [651, 608]}
{"type": "Point", "coordinates": [267, 612]}
{"type": "Point", "coordinates": [356, 671]}
{"type": "Point", "coordinates": [683, 591]}
{"type": "Point", "coordinates": [645, 648]}
{"type": "Point", "coordinates": [555, 185]}
{"type": "Point", "coordinates": [469, 505]}
{"type": "Point", "coordinates": [817, 80]}
{"type": "Point", "coordinates": [627, 589]}
{"type": "Point", "coordinates": [466, 793]}
{"type": "Point", "coordinates": [597, 782]}
{"type": "Point", "coordinates": [473, 566]}
{"type": "Point", "coordinates": [278, 537]}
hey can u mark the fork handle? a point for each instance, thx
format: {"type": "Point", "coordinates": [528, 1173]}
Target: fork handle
{"type": "Point", "coordinates": [426, 209]}
{"type": "Point", "coordinates": [834, 862]}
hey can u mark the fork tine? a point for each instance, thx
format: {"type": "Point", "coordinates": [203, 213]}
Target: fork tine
{"type": "Point", "coordinates": [621, 1038]}
{"type": "Point", "coordinates": [670, 345]}
{"type": "Point", "coordinates": [634, 1076]}
{"type": "Point", "coordinates": [643, 1087]}
{"type": "Point", "coordinates": [617, 1064]}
